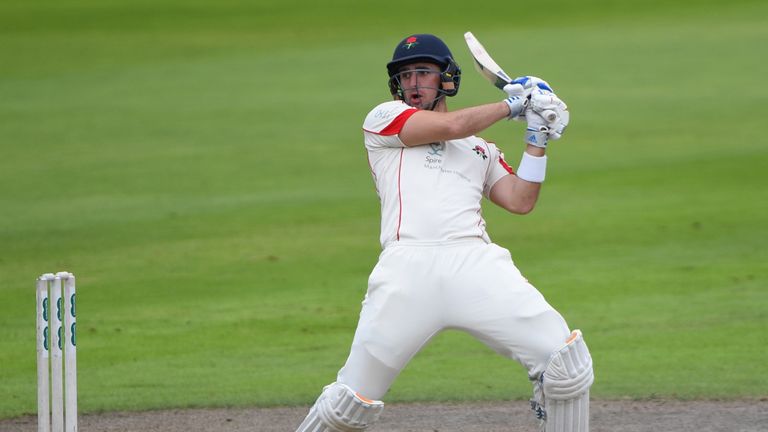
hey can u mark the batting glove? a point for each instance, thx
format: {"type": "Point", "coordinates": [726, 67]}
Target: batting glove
{"type": "Point", "coordinates": [517, 100]}
{"type": "Point", "coordinates": [537, 132]}
{"type": "Point", "coordinates": [552, 109]}
{"type": "Point", "coordinates": [530, 82]}
{"type": "Point", "coordinates": [521, 87]}
{"type": "Point", "coordinates": [547, 118]}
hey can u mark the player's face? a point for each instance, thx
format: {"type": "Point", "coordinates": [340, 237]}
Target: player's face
{"type": "Point", "coordinates": [420, 83]}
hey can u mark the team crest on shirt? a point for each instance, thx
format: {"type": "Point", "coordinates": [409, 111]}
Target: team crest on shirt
{"type": "Point", "coordinates": [480, 152]}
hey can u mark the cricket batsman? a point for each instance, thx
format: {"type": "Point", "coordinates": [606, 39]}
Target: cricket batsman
{"type": "Point", "coordinates": [439, 269]}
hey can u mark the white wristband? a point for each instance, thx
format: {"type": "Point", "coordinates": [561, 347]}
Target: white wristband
{"type": "Point", "coordinates": [532, 168]}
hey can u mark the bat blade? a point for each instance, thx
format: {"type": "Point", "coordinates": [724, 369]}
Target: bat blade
{"type": "Point", "coordinates": [485, 64]}
{"type": "Point", "coordinates": [492, 71]}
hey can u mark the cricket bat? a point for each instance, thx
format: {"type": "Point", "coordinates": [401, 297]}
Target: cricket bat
{"type": "Point", "coordinates": [489, 69]}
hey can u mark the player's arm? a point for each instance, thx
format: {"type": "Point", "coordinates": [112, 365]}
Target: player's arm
{"type": "Point", "coordinates": [514, 194]}
{"type": "Point", "coordinates": [518, 193]}
{"type": "Point", "coordinates": [425, 126]}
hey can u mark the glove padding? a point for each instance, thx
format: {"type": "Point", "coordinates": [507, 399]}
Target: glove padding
{"type": "Point", "coordinates": [546, 114]}
{"type": "Point", "coordinates": [522, 87]}
{"type": "Point", "coordinates": [517, 100]}
{"type": "Point", "coordinates": [552, 109]}
{"type": "Point", "coordinates": [537, 132]}
{"type": "Point", "coordinates": [531, 82]}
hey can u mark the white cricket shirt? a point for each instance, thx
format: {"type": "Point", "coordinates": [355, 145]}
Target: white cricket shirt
{"type": "Point", "coordinates": [429, 193]}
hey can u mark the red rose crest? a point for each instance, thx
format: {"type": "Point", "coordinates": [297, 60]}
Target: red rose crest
{"type": "Point", "coordinates": [480, 152]}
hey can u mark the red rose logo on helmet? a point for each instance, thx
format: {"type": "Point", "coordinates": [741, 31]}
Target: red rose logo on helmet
{"type": "Point", "coordinates": [410, 42]}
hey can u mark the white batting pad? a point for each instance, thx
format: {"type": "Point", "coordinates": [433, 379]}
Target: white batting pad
{"type": "Point", "coordinates": [566, 384]}
{"type": "Point", "coordinates": [340, 409]}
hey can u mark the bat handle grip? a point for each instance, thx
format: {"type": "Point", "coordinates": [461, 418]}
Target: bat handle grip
{"type": "Point", "coordinates": [549, 115]}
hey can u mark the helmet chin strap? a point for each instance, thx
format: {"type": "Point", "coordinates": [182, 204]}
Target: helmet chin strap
{"type": "Point", "coordinates": [436, 100]}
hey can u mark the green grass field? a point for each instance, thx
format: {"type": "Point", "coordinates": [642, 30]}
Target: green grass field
{"type": "Point", "coordinates": [200, 168]}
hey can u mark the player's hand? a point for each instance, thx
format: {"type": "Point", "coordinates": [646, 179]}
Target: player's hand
{"type": "Point", "coordinates": [522, 87]}
{"type": "Point", "coordinates": [537, 132]}
{"type": "Point", "coordinates": [531, 82]}
{"type": "Point", "coordinates": [517, 100]}
{"type": "Point", "coordinates": [552, 109]}
{"type": "Point", "coordinates": [547, 118]}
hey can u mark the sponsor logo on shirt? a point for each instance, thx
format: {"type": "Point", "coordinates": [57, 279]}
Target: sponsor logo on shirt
{"type": "Point", "coordinates": [436, 149]}
{"type": "Point", "coordinates": [434, 157]}
{"type": "Point", "coordinates": [382, 113]}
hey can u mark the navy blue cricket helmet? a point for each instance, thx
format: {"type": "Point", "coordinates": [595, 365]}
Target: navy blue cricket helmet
{"type": "Point", "coordinates": [427, 48]}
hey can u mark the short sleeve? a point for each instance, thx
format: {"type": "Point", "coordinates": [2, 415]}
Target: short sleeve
{"type": "Point", "coordinates": [498, 169]}
{"type": "Point", "coordinates": [383, 124]}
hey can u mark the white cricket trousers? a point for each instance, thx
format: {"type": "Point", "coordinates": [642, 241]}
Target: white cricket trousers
{"type": "Point", "coordinates": [417, 290]}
